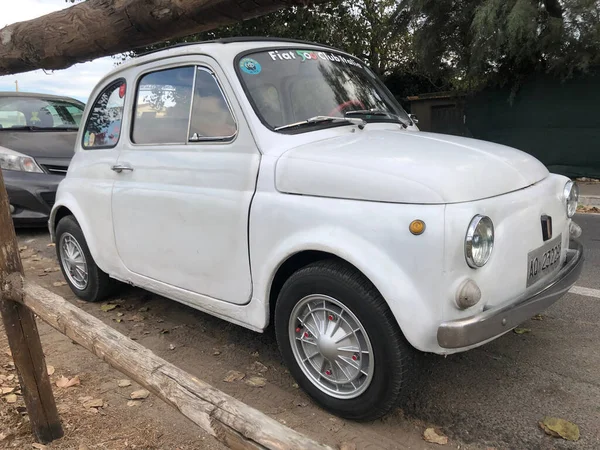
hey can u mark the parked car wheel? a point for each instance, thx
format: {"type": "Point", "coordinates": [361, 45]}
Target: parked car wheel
{"type": "Point", "coordinates": [341, 342]}
{"type": "Point", "coordinates": [85, 278]}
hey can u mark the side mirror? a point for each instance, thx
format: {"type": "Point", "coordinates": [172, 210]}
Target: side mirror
{"type": "Point", "coordinates": [414, 118]}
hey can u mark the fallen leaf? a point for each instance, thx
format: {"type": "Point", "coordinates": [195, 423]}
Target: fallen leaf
{"type": "Point", "coordinates": [36, 259]}
{"type": "Point", "coordinates": [139, 395]}
{"type": "Point", "coordinates": [51, 245]}
{"type": "Point", "coordinates": [10, 377]}
{"type": "Point", "coordinates": [11, 398]}
{"type": "Point", "coordinates": [295, 385]}
{"type": "Point", "coordinates": [50, 370]}
{"type": "Point", "coordinates": [143, 309]}
{"type": "Point", "coordinates": [134, 403]}
{"type": "Point", "coordinates": [164, 331]}
{"type": "Point", "coordinates": [135, 318]}
{"type": "Point", "coordinates": [538, 317]}
{"type": "Point", "coordinates": [108, 307]}
{"type": "Point", "coordinates": [94, 403]}
{"type": "Point", "coordinates": [124, 383]}
{"type": "Point", "coordinates": [85, 399]}
{"type": "Point", "coordinates": [347, 446]}
{"type": "Point", "coordinates": [120, 314]}
{"type": "Point", "coordinates": [64, 382]}
{"type": "Point", "coordinates": [216, 353]}
{"type": "Point", "coordinates": [233, 375]}
{"type": "Point", "coordinates": [83, 447]}
{"type": "Point", "coordinates": [258, 367]}
{"type": "Point", "coordinates": [51, 269]}
{"type": "Point", "coordinates": [42, 274]}
{"type": "Point", "coordinates": [22, 248]}
{"type": "Point", "coordinates": [430, 435]}
{"type": "Point", "coordinates": [522, 330]}
{"type": "Point", "coordinates": [256, 381]}
{"type": "Point", "coordinates": [59, 283]}
{"type": "Point", "coordinates": [39, 446]}
{"type": "Point", "coordinates": [171, 347]}
{"type": "Point", "coordinates": [255, 354]}
{"type": "Point", "coordinates": [119, 320]}
{"type": "Point", "coordinates": [7, 390]}
{"type": "Point", "coordinates": [560, 428]}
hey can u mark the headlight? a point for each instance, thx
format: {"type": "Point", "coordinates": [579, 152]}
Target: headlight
{"type": "Point", "coordinates": [571, 195]}
{"type": "Point", "coordinates": [479, 241]}
{"type": "Point", "coordinates": [11, 160]}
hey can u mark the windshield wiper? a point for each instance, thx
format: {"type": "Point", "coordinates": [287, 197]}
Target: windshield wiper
{"type": "Point", "coordinates": [376, 112]}
{"type": "Point", "coordinates": [320, 119]}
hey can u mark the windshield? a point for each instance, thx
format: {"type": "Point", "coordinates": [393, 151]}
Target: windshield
{"type": "Point", "coordinates": [287, 86]}
{"type": "Point", "coordinates": [39, 113]}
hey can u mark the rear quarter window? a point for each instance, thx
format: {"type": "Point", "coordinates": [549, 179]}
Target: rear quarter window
{"type": "Point", "coordinates": [103, 126]}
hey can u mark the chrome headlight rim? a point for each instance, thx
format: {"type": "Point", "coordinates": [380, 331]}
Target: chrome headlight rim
{"type": "Point", "coordinates": [571, 197]}
{"type": "Point", "coordinates": [469, 238]}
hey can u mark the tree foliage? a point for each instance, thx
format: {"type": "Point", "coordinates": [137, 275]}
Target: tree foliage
{"type": "Point", "coordinates": [441, 44]}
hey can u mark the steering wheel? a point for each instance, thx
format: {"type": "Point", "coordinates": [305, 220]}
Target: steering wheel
{"type": "Point", "coordinates": [342, 106]}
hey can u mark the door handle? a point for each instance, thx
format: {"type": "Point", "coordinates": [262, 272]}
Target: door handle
{"type": "Point", "coordinates": [121, 167]}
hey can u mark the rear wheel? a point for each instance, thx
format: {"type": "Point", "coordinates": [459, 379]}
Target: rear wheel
{"type": "Point", "coordinates": [84, 277]}
{"type": "Point", "coordinates": [341, 342]}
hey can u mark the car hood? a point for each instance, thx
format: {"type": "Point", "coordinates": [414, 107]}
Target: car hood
{"type": "Point", "coordinates": [405, 167]}
{"type": "Point", "coordinates": [41, 145]}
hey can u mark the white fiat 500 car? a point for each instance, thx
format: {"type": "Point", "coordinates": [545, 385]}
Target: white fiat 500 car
{"type": "Point", "coordinates": [271, 182]}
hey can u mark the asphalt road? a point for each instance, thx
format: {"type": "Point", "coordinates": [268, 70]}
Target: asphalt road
{"type": "Point", "coordinates": [499, 392]}
{"type": "Point", "coordinates": [491, 396]}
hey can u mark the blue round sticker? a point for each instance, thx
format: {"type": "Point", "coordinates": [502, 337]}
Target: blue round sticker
{"type": "Point", "coordinates": [250, 66]}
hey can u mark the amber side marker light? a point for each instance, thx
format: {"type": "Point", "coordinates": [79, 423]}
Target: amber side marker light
{"type": "Point", "coordinates": [417, 227]}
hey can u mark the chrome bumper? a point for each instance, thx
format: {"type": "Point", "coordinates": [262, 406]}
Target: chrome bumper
{"type": "Point", "coordinates": [494, 322]}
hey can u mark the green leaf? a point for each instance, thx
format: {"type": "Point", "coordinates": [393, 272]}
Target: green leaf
{"type": "Point", "coordinates": [522, 330]}
{"type": "Point", "coordinates": [107, 307]}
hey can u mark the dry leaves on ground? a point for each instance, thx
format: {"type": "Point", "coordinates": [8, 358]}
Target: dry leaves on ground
{"type": "Point", "coordinates": [108, 307]}
{"type": "Point", "coordinates": [124, 383]}
{"type": "Point", "coordinates": [256, 381]}
{"type": "Point", "coordinates": [50, 370]}
{"type": "Point", "coordinates": [64, 382]}
{"type": "Point", "coordinates": [560, 428]}
{"type": "Point", "coordinates": [139, 395]}
{"type": "Point", "coordinates": [59, 283]}
{"type": "Point", "coordinates": [430, 435]}
{"type": "Point", "coordinates": [39, 446]}
{"type": "Point", "coordinates": [134, 403]}
{"type": "Point", "coordinates": [11, 398]}
{"type": "Point", "coordinates": [94, 403]}
{"type": "Point", "coordinates": [588, 209]}
{"type": "Point", "coordinates": [257, 367]}
{"type": "Point", "coordinates": [233, 375]}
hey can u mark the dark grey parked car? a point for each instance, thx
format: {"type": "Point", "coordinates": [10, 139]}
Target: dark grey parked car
{"type": "Point", "coordinates": [37, 141]}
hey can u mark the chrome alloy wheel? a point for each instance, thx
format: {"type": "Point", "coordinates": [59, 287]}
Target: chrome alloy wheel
{"type": "Point", "coordinates": [331, 346]}
{"type": "Point", "coordinates": [73, 261]}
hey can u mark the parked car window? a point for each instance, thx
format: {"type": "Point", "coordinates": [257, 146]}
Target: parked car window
{"type": "Point", "coordinates": [103, 127]}
{"type": "Point", "coordinates": [25, 112]}
{"type": "Point", "coordinates": [211, 116]}
{"type": "Point", "coordinates": [162, 109]}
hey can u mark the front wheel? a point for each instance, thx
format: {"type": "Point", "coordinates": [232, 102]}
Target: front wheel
{"type": "Point", "coordinates": [341, 342]}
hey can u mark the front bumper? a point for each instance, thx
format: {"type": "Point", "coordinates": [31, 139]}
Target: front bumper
{"type": "Point", "coordinates": [32, 195]}
{"type": "Point", "coordinates": [494, 322]}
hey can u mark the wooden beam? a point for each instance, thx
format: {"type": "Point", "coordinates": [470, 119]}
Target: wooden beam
{"type": "Point", "coordinates": [22, 333]}
{"type": "Point", "coordinates": [96, 28]}
{"type": "Point", "coordinates": [227, 419]}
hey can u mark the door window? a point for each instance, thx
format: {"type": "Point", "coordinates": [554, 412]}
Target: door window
{"type": "Point", "coordinates": [162, 109]}
{"type": "Point", "coordinates": [103, 127]}
{"type": "Point", "coordinates": [211, 116]}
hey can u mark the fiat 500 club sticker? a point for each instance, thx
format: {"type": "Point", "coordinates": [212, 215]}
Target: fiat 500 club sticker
{"type": "Point", "coordinates": [308, 55]}
{"type": "Point", "coordinates": [250, 66]}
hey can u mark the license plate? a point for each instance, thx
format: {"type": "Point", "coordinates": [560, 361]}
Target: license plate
{"type": "Point", "coordinates": [544, 260]}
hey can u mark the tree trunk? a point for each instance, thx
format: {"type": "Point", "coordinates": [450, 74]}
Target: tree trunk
{"type": "Point", "coordinates": [96, 28]}
{"type": "Point", "coordinates": [22, 333]}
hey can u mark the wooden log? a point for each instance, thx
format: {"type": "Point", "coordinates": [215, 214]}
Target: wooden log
{"type": "Point", "coordinates": [227, 419]}
{"type": "Point", "coordinates": [96, 28]}
{"type": "Point", "coordinates": [22, 333]}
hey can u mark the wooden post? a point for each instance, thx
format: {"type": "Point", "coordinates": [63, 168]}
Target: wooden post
{"type": "Point", "coordinates": [22, 333]}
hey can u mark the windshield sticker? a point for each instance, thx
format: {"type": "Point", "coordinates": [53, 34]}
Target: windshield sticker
{"type": "Point", "coordinates": [306, 55]}
{"type": "Point", "coordinates": [250, 66]}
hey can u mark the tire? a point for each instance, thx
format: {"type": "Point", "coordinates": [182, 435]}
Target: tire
{"type": "Point", "coordinates": [98, 285]}
{"type": "Point", "coordinates": [386, 375]}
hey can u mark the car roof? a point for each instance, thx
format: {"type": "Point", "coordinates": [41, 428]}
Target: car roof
{"type": "Point", "coordinates": [226, 48]}
{"type": "Point", "coordinates": [38, 95]}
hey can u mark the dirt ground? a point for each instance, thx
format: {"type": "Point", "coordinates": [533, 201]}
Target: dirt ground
{"type": "Point", "coordinates": [204, 346]}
